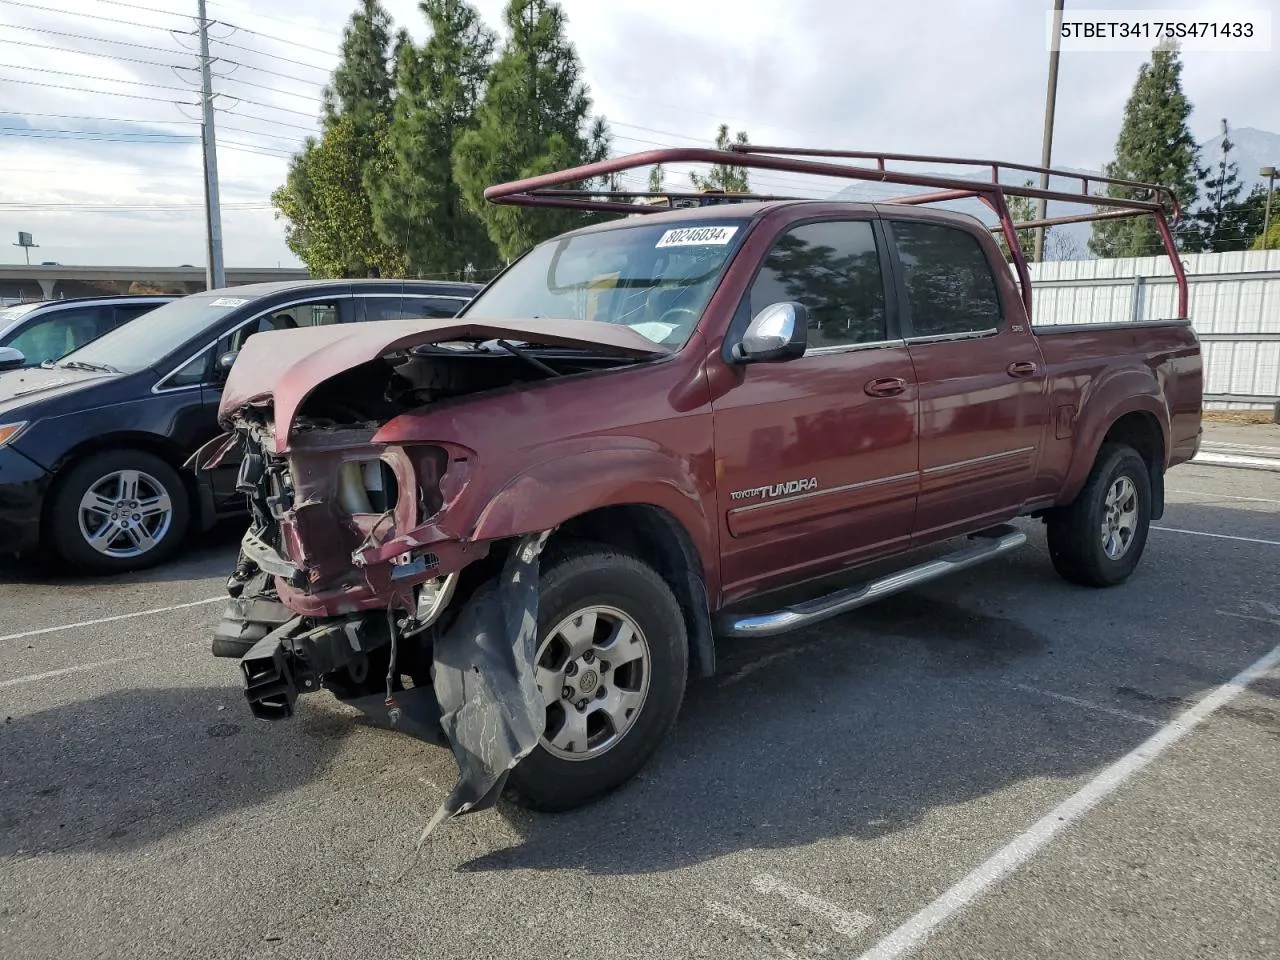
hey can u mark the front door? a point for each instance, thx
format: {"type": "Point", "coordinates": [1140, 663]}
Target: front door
{"type": "Point", "coordinates": [816, 457]}
{"type": "Point", "coordinates": [982, 385]}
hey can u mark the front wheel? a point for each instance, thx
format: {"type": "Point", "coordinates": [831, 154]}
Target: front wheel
{"type": "Point", "coordinates": [612, 662]}
{"type": "Point", "coordinates": [118, 510]}
{"type": "Point", "coordinates": [1098, 540]}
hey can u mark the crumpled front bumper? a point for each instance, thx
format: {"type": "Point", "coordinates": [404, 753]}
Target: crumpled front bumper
{"type": "Point", "coordinates": [483, 701]}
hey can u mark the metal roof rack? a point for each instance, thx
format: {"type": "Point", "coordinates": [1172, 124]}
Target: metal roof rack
{"type": "Point", "coordinates": [564, 188]}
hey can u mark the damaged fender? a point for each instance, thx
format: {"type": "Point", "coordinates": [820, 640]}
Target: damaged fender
{"type": "Point", "coordinates": [483, 674]}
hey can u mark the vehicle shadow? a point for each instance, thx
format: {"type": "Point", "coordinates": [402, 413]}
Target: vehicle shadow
{"type": "Point", "coordinates": [126, 768]}
{"type": "Point", "coordinates": [204, 555]}
{"type": "Point", "coordinates": [866, 725]}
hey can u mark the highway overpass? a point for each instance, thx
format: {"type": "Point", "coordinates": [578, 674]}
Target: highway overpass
{"type": "Point", "coordinates": [21, 282]}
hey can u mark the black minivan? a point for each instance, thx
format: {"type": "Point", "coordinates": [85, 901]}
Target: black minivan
{"type": "Point", "coordinates": [92, 447]}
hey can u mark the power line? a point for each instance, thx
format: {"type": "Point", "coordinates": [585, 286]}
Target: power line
{"type": "Point", "coordinates": [40, 132]}
{"type": "Point", "coordinates": [87, 76]}
{"type": "Point", "coordinates": [268, 36]}
{"type": "Point", "coordinates": [269, 56]}
{"type": "Point", "coordinates": [135, 6]}
{"type": "Point", "coordinates": [266, 16]}
{"type": "Point", "coordinates": [77, 13]}
{"type": "Point", "coordinates": [94, 53]}
{"type": "Point", "coordinates": [65, 116]}
{"type": "Point", "coordinates": [252, 116]}
{"type": "Point", "coordinates": [85, 36]}
{"type": "Point", "coordinates": [262, 86]}
{"type": "Point", "coordinates": [274, 73]}
{"type": "Point", "coordinates": [101, 93]}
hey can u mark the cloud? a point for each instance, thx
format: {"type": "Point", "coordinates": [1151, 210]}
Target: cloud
{"type": "Point", "coordinates": [929, 76]}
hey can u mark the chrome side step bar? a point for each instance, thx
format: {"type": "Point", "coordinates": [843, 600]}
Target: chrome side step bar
{"type": "Point", "coordinates": [988, 545]}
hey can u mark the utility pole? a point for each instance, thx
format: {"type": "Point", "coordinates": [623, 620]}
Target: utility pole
{"type": "Point", "coordinates": [1050, 100]}
{"type": "Point", "coordinates": [215, 277]}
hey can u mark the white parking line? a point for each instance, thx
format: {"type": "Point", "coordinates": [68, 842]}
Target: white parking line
{"type": "Point", "coordinates": [1216, 536]}
{"type": "Point", "coordinates": [1085, 704]}
{"type": "Point", "coordinates": [1220, 496]}
{"type": "Point", "coordinates": [851, 924]}
{"type": "Point", "coordinates": [119, 616]}
{"type": "Point", "coordinates": [31, 678]}
{"type": "Point", "coordinates": [911, 934]}
{"type": "Point", "coordinates": [762, 931]}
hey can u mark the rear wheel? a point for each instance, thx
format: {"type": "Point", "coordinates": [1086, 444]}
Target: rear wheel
{"type": "Point", "coordinates": [1098, 540]}
{"type": "Point", "coordinates": [118, 510]}
{"type": "Point", "coordinates": [612, 662]}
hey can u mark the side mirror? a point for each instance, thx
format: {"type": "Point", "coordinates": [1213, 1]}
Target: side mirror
{"type": "Point", "coordinates": [11, 358]}
{"type": "Point", "coordinates": [778, 332]}
{"type": "Point", "coordinates": [225, 362]}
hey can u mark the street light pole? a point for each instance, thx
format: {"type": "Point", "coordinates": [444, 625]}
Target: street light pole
{"type": "Point", "coordinates": [1050, 101]}
{"type": "Point", "coordinates": [1270, 174]}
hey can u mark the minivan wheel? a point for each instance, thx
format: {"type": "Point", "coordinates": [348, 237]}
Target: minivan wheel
{"type": "Point", "coordinates": [612, 662]}
{"type": "Point", "coordinates": [118, 510]}
{"type": "Point", "coordinates": [1098, 540]}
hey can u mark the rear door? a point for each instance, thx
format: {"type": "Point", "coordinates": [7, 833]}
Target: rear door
{"type": "Point", "coordinates": [816, 457]}
{"type": "Point", "coordinates": [982, 383]}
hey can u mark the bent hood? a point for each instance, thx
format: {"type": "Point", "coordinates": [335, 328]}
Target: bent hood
{"type": "Point", "coordinates": [283, 367]}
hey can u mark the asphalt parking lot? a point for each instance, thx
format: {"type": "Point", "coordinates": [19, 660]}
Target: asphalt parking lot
{"type": "Point", "coordinates": [999, 765]}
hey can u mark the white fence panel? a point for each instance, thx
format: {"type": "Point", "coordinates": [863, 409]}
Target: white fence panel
{"type": "Point", "coordinates": [1234, 307]}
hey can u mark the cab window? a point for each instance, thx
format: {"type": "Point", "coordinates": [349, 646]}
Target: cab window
{"type": "Point", "coordinates": [833, 269]}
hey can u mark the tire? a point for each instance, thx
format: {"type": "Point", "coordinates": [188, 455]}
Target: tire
{"type": "Point", "coordinates": [1076, 536]}
{"type": "Point", "coordinates": [605, 584]}
{"type": "Point", "coordinates": [151, 538]}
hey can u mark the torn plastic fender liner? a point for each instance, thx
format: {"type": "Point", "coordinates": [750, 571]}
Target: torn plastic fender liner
{"type": "Point", "coordinates": [483, 674]}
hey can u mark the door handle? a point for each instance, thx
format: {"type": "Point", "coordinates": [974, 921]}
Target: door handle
{"type": "Point", "coordinates": [885, 387]}
{"type": "Point", "coordinates": [1022, 368]}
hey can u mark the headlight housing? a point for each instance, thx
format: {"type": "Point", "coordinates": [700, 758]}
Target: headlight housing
{"type": "Point", "coordinates": [9, 431]}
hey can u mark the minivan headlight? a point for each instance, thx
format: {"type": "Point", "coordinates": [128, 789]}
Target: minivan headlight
{"type": "Point", "coordinates": [10, 430]}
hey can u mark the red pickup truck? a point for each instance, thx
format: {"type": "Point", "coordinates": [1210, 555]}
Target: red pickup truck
{"type": "Point", "coordinates": [518, 531]}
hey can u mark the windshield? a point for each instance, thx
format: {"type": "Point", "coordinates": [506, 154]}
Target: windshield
{"type": "Point", "coordinates": [144, 342]}
{"type": "Point", "coordinates": [10, 314]}
{"type": "Point", "coordinates": [655, 279]}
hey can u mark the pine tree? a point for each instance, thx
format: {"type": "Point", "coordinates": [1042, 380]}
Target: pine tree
{"type": "Point", "coordinates": [325, 198]}
{"type": "Point", "coordinates": [657, 177]}
{"type": "Point", "coordinates": [1220, 224]}
{"type": "Point", "coordinates": [726, 177]}
{"type": "Point", "coordinates": [362, 84]}
{"type": "Point", "coordinates": [533, 120]}
{"type": "Point", "coordinates": [418, 206]}
{"type": "Point", "coordinates": [1155, 146]}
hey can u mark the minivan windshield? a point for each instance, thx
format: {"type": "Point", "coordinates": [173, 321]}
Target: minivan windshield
{"type": "Point", "coordinates": [144, 342]}
{"type": "Point", "coordinates": [654, 278]}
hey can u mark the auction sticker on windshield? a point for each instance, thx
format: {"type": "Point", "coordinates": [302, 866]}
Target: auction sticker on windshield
{"type": "Point", "coordinates": [697, 237]}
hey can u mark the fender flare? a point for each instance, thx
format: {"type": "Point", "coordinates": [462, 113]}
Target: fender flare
{"type": "Point", "coordinates": [1127, 391]}
{"type": "Point", "coordinates": [534, 499]}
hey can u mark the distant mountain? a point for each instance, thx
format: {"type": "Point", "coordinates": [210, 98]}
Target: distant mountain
{"type": "Point", "coordinates": [1251, 150]}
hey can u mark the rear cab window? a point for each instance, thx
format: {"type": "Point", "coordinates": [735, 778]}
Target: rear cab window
{"type": "Point", "coordinates": [950, 288]}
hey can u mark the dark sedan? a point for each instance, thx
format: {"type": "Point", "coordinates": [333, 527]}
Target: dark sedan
{"type": "Point", "coordinates": [91, 449]}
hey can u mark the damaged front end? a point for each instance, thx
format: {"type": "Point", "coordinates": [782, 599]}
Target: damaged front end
{"type": "Point", "coordinates": [345, 583]}
{"type": "Point", "coordinates": [356, 574]}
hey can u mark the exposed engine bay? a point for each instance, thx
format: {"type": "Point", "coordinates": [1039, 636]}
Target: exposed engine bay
{"type": "Point", "coordinates": [350, 577]}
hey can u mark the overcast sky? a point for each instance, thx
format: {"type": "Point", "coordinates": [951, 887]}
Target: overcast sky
{"type": "Point", "coordinates": [936, 76]}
